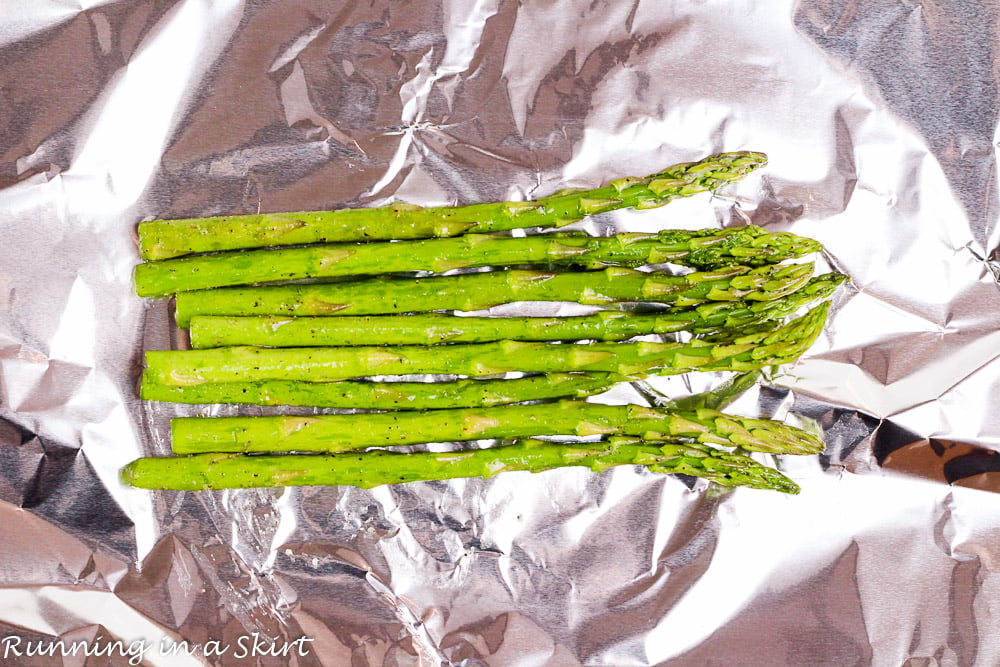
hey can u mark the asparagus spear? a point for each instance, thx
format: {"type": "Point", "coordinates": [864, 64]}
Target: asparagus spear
{"type": "Point", "coordinates": [348, 432]}
{"type": "Point", "coordinates": [467, 393]}
{"type": "Point", "coordinates": [249, 364]}
{"type": "Point", "coordinates": [704, 249]}
{"type": "Point", "coordinates": [202, 472]}
{"type": "Point", "coordinates": [426, 329]}
{"type": "Point", "coordinates": [477, 291]}
{"type": "Point", "coordinates": [715, 399]}
{"type": "Point", "coordinates": [162, 239]}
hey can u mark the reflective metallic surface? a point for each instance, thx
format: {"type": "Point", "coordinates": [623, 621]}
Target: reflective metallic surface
{"type": "Point", "coordinates": [880, 120]}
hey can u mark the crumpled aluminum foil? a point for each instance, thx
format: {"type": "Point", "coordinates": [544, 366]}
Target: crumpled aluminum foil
{"type": "Point", "coordinates": [880, 120]}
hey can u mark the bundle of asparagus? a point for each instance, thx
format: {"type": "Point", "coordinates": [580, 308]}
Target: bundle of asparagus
{"type": "Point", "coordinates": [258, 339]}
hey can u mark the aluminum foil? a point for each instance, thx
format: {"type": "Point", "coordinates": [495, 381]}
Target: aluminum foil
{"type": "Point", "coordinates": [880, 119]}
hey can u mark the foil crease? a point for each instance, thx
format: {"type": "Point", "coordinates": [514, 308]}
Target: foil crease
{"type": "Point", "coordinates": [880, 120]}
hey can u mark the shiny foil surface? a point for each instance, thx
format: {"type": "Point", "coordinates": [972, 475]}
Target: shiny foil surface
{"type": "Point", "coordinates": [880, 121]}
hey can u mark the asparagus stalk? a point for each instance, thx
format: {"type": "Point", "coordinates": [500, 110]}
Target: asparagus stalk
{"type": "Point", "coordinates": [704, 249]}
{"type": "Point", "coordinates": [715, 399]}
{"type": "Point", "coordinates": [478, 291]}
{"type": "Point", "coordinates": [725, 468]}
{"type": "Point", "coordinates": [631, 360]}
{"type": "Point", "coordinates": [468, 393]}
{"type": "Point", "coordinates": [202, 472]}
{"type": "Point", "coordinates": [428, 329]}
{"type": "Point", "coordinates": [336, 433]}
{"type": "Point", "coordinates": [422, 329]}
{"type": "Point", "coordinates": [163, 239]}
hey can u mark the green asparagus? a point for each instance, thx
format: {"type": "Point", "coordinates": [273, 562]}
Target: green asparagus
{"type": "Point", "coordinates": [704, 249]}
{"type": "Point", "coordinates": [716, 398]}
{"type": "Point", "coordinates": [336, 433]}
{"type": "Point", "coordinates": [478, 291]}
{"type": "Point", "coordinates": [468, 393]}
{"type": "Point", "coordinates": [202, 472]}
{"type": "Point", "coordinates": [163, 239]}
{"type": "Point", "coordinates": [632, 360]}
{"type": "Point", "coordinates": [427, 329]}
